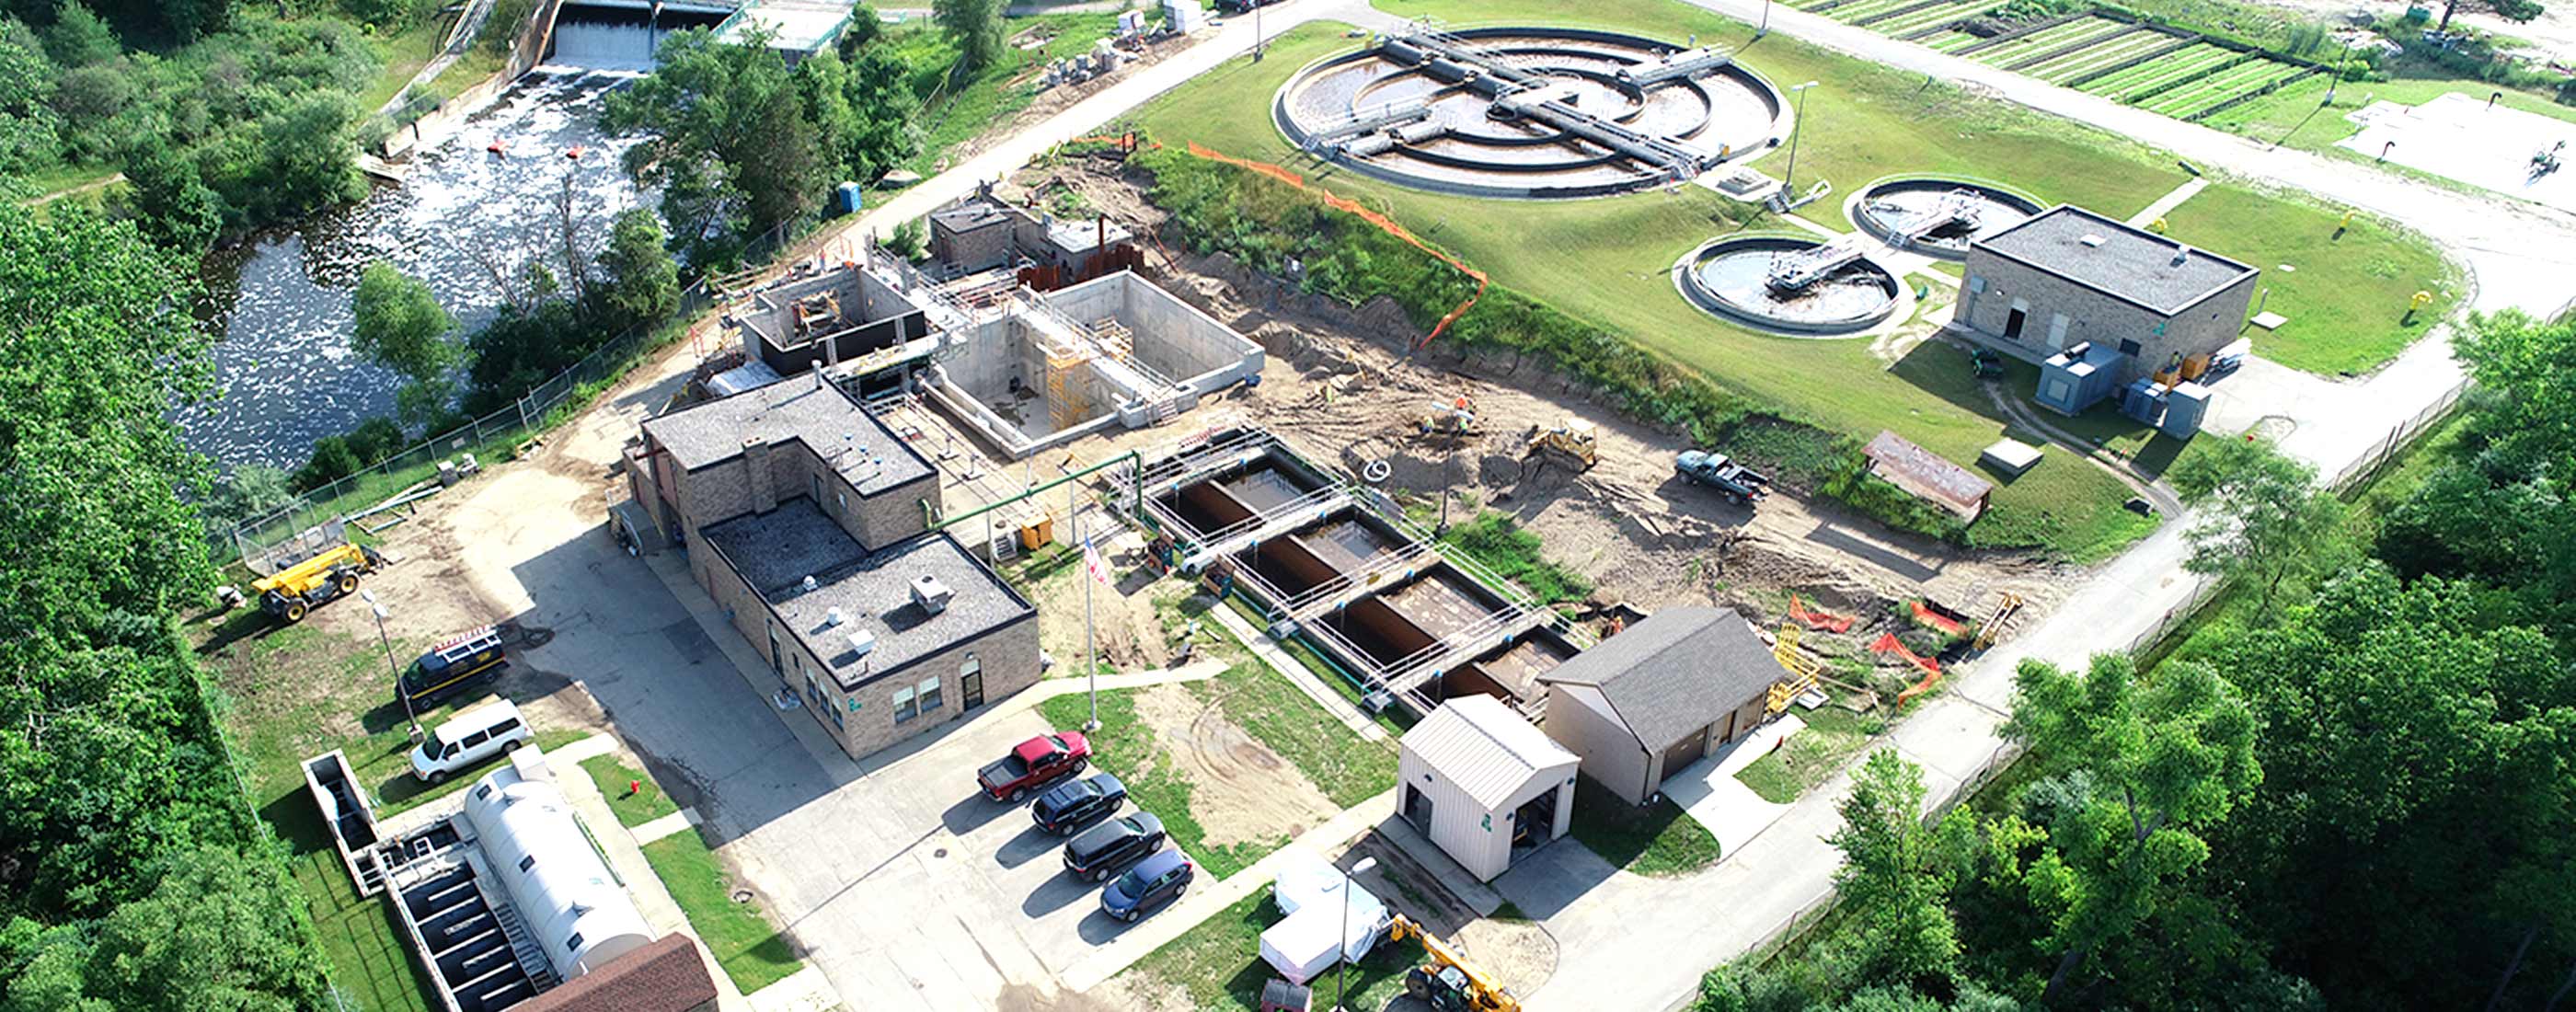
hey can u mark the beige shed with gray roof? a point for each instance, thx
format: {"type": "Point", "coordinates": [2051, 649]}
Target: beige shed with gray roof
{"type": "Point", "coordinates": [1654, 699]}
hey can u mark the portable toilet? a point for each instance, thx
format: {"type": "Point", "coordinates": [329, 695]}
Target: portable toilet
{"type": "Point", "coordinates": [2186, 406]}
{"type": "Point", "coordinates": [848, 197]}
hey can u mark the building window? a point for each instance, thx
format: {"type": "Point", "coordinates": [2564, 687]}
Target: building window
{"type": "Point", "coordinates": [818, 489]}
{"type": "Point", "coordinates": [906, 706]}
{"type": "Point", "coordinates": [929, 694]}
{"type": "Point", "coordinates": [2131, 348]}
{"type": "Point", "coordinates": [836, 717]}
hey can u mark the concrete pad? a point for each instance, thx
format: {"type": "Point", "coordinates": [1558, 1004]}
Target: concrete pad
{"type": "Point", "coordinates": [573, 753]}
{"type": "Point", "coordinates": [1452, 876]}
{"type": "Point", "coordinates": [805, 990]}
{"type": "Point", "coordinates": [1708, 790]}
{"type": "Point", "coordinates": [662, 827]}
{"type": "Point", "coordinates": [2460, 137]}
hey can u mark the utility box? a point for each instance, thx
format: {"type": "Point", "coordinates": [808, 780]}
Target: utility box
{"type": "Point", "coordinates": [2186, 407]}
{"type": "Point", "coordinates": [2144, 401]}
{"type": "Point", "coordinates": [2079, 377]}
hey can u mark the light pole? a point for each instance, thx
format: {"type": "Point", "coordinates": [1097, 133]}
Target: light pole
{"type": "Point", "coordinates": [387, 642]}
{"type": "Point", "coordinates": [1342, 976]}
{"type": "Point", "coordinates": [1789, 184]}
{"type": "Point", "coordinates": [1765, 27]}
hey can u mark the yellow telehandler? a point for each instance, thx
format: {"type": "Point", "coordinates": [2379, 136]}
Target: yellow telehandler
{"type": "Point", "coordinates": [1448, 983]}
{"type": "Point", "coordinates": [297, 589]}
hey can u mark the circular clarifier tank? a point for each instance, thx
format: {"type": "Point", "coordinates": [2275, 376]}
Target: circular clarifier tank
{"type": "Point", "coordinates": [1786, 283]}
{"type": "Point", "coordinates": [1529, 112]}
{"type": "Point", "coordinates": [1937, 217]}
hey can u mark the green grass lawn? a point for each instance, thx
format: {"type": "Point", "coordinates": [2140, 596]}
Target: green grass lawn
{"type": "Point", "coordinates": [1218, 963]}
{"type": "Point", "coordinates": [2297, 117]}
{"type": "Point", "coordinates": [404, 53]}
{"type": "Point", "coordinates": [2351, 327]}
{"type": "Point", "coordinates": [1832, 736]}
{"type": "Point", "coordinates": [744, 942]}
{"type": "Point", "coordinates": [1605, 261]}
{"type": "Point", "coordinates": [1493, 539]}
{"type": "Point", "coordinates": [611, 776]}
{"type": "Point", "coordinates": [1657, 840]}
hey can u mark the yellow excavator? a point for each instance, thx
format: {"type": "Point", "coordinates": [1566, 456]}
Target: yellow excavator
{"type": "Point", "coordinates": [1448, 983]}
{"type": "Point", "coordinates": [291, 592]}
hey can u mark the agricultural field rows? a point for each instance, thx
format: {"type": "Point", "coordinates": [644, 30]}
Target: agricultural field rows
{"type": "Point", "coordinates": [2184, 83]}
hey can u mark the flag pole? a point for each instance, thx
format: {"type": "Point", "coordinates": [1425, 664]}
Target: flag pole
{"type": "Point", "coordinates": [1090, 652]}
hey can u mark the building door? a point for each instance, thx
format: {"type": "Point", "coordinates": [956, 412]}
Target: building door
{"type": "Point", "coordinates": [776, 666]}
{"type": "Point", "coordinates": [1685, 752]}
{"type": "Point", "coordinates": [2057, 331]}
{"type": "Point", "coordinates": [970, 684]}
{"type": "Point", "coordinates": [1417, 809]}
{"type": "Point", "coordinates": [2013, 322]}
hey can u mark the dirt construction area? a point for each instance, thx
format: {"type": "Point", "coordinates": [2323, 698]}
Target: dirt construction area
{"type": "Point", "coordinates": [1338, 389]}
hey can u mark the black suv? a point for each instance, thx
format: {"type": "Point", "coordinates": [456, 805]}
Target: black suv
{"type": "Point", "coordinates": [1068, 806]}
{"type": "Point", "coordinates": [1097, 854]}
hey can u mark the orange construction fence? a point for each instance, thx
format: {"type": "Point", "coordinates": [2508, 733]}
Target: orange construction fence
{"type": "Point", "coordinates": [1365, 214]}
{"type": "Point", "coordinates": [1821, 621]}
{"type": "Point", "coordinates": [1130, 142]}
{"type": "Point", "coordinates": [1937, 620]}
{"type": "Point", "coordinates": [1886, 644]}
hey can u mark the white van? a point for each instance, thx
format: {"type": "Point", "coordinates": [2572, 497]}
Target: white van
{"type": "Point", "coordinates": [475, 735]}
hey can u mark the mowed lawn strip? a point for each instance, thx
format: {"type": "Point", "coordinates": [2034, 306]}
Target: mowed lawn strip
{"type": "Point", "coordinates": [1125, 747]}
{"type": "Point", "coordinates": [744, 942]}
{"type": "Point", "coordinates": [612, 775]}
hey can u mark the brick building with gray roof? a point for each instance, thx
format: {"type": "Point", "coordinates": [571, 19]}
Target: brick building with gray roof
{"type": "Point", "coordinates": [1655, 698]}
{"type": "Point", "coordinates": [2068, 276]}
{"type": "Point", "coordinates": [808, 522]}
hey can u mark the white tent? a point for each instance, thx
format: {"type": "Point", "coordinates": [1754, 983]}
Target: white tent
{"type": "Point", "coordinates": [1309, 891]}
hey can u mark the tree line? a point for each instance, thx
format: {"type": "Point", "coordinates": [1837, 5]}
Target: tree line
{"type": "Point", "coordinates": [133, 875]}
{"type": "Point", "coordinates": [2354, 788]}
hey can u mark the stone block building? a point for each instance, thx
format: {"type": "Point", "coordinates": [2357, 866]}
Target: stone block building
{"type": "Point", "coordinates": [2068, 277]}
{"type": "Point", "coordinates": [808, 521]}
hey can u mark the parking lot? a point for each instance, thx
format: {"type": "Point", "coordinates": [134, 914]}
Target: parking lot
{"type": "Point", "coordinates": [932, 896]}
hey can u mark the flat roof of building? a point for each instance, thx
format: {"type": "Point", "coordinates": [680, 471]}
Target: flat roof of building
{"type": "Point", "coordinates": [2116, 259]}
{"type": "Point", "coordinates": [777, 550]}
{"type": "Point", "coordinates": [822, 416]}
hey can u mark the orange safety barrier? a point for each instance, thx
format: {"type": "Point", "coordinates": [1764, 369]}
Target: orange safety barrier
{"type": "Point", "coordinates": [1384, 223]}
{"type": "Point", "coordinates": [1821, 621]}
{"type": "Point", "coordinates": [1887, 643]}
{"type": "Point", "coordinates": [1937, 620]}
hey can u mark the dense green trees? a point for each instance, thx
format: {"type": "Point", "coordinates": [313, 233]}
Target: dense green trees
{"type": "Point", "coordinates": [401, 327]}
{"type": "Point", "coordinates": [976, 25]}
{"type": "Point", "coordinates": [2263, 520]}
{"type": "Point", "coordinates": [111, 762]}
{"type": "Point", "coordinates": [740, 144]}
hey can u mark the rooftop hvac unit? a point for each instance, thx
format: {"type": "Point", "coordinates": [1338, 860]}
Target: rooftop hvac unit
{"type": "Point", "coordinates": [931, 594]}
{"type": "Point", "coordinates": [862, 642]}
{"type": "Point", "coordinates": [809, 583]}
{"type": "Point", "coordinates": [832, 616]}
{"type": "Point", "coordinates": [1377, 702]}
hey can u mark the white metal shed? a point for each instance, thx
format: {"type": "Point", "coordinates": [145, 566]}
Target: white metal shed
{"type": "Point", "coordinates": [1484, 784]}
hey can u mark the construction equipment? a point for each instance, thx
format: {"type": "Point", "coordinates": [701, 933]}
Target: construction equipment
{"type": "Point", "coordinates": [1734, 481]}
{"type": "Point", "coordinates": [1569, 443]}
{"type": "Point", "coordinates": [2007, 606]}
{"type": "Point", "coordinates": [297, 589]}
{"type": "Point", "coordinates": [1448, 983]}
{"type": "Point", "coordinates": [1458, 419]}
{"type": "Point", "coordinates": [1801, 668]}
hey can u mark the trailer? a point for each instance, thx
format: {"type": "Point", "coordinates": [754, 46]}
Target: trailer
{"type": "Point", "coordinates": [1739, 484]}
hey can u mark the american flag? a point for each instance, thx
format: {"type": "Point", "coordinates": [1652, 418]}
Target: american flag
{"type": "Point", "coordinates": [1092, 561]}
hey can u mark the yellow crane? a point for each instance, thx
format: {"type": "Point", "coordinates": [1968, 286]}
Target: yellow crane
{"type": "Point", "coordinates": [291, 592]}
{"type": "Point", "coordinates": [1448, 983]}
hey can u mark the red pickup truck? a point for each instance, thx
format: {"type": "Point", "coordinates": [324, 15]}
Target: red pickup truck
{"type": "Point", "coordinates": [1035, 763]}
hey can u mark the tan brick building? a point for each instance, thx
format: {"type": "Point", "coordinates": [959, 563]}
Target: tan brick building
{"type": "Point", "coordinates": [807, 520]}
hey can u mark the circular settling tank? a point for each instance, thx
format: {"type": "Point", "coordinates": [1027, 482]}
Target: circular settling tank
{"type": "Point", "coordinates": [1787, 283]}
{"type": "Point", "coordinates": [1529, 112]}
{"type": "Point", "coordinates": [1937, 217]}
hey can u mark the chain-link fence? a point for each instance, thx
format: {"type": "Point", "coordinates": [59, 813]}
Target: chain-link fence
{"type": "Point", "coordinates": [318, 519]}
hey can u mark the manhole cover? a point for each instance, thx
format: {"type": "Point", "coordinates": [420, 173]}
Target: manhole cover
{"type": "Point", "coordinates": [742, 895]}
{"type": "Point", "coordinates": [941, 852]}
